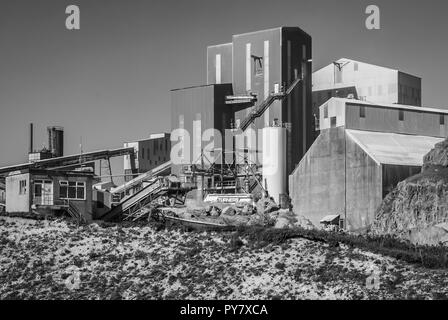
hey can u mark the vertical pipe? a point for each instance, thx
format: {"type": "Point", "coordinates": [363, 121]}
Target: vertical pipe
{"type": "Point", "coordinates": [248, 68]}
{"type": "Point", "coordinates": [31, 138]}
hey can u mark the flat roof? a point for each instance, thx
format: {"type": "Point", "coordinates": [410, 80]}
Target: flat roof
{"type": "Point", "coordinates": [220, 45]}
{"type": "Point", "coordinates": [202, 86]}
{"type": "Point", "coordinates": [53, 172]}
{"type": "Point", "coordinates": [152, 136]}
{"type": "Point", "coordinates": [389, 105]}
{"type": "Point", "coordinates": [394, 148]}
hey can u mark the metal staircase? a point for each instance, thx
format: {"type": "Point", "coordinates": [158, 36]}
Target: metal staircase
{"type": "Point", "coordinates": [260, 109]}
{"type": "Point", "coordinates": [74, 212]}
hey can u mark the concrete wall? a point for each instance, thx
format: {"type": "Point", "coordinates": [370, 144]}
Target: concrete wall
{"type": "Point", "coordinates": [363, 187]}
{"type": "Point", "coordinates": [337, 177]}
{"type": "Point", "coordinates": [15, 202]}
{"type": "Point", "coordinates": [220, 69]}
{"type": "Point", "coordinates": [317, 185]}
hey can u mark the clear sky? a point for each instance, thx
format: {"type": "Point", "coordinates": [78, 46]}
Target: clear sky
{"type": "Point", "coordinates": [109, 82]}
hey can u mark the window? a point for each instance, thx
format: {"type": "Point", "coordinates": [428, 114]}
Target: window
{"type": "Point", "coordinates": [355, 66]}
{"type": "Point", "coordinates": [74, 190]}
{"type": "Point", "coordinates": [38, 190]}
{"type": "Point", "coordinates": [362, 111]}
{"type": "Point", "coordinates": [400, 115]}
{"type": "Point", "coordinates": [22, 187]}
{"type": "Point", "coordinates": [143, 153]}
{"type": "Point", "coordinates": [442, 119]}
{"type": "Point", "coordinates": [333, 122]}
{"type": "Point", "coordinates": [325, 111]}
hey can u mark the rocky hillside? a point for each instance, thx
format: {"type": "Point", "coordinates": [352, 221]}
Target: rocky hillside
{"type": "Point", "coordinates": [417, 209]}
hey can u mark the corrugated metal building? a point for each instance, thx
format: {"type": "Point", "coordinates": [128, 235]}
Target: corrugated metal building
{"type": "Point", "coordinates": [149, 153]}
{"type": "Point", "coordinates": [366, 82]}
{"type": "Point", "coordinates": [362, 152]}
{"type": "Point", "coordinates": [263, 62]}
{"type": "Point", "coordinates": [196, 109]}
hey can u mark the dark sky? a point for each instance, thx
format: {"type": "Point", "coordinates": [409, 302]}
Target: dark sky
{"type": "Point", "coordinates": [109, 82]}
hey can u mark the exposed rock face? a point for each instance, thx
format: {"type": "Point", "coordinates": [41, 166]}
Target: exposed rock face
{"type": "Point", "coordinates": [437, 156]}
{"type": "Point", "coordinates": [418, 205]}
{"type": "Point", "coordinates": [287, 219]}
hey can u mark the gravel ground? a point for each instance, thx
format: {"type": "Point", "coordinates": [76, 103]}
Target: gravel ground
{"type": "Point", "coordinates": [58, 260]}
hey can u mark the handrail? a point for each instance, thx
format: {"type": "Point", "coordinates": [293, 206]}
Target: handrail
{"type": "Point", "coordinates": [266, 103]}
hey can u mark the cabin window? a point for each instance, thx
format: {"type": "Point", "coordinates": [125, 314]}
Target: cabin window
{"type": "Point", "coordinates": [333, 122]}
{"type": "Point", "coordinates": [442, 119]}
{"type": "Point", "coordinates": [400, 115]}
{"type": "Point", "coordinates": [38, 190]}
{"type": "Point", "coordinates": [362, 111]}
{"type": "Point", "coordinates": [22, 187]}
{"type": "Point", "coordinates": [325, 111]}
{"type": "Point", "coordinates": [72, 190]}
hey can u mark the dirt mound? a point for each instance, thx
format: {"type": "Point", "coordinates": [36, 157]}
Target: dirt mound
{"type": "Point", "coordinates": [418, 204]}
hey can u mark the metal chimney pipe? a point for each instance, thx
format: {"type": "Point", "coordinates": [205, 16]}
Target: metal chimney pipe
{"type": "Point", "coordinates": [31, 138]}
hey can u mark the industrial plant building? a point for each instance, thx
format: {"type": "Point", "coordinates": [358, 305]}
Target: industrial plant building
{"type": "Point", "coordinates": [364, 149]}
{"type": "Point", "coordinates": [363, 81]}
{"type": "Point", "coordinates": [55, 146]}
{"type": "Point", "coordinates": [258, 80]}
{"type": "Point", "coordinates": [331, 143]}
{"type": "Point", "coordinates": [149, 153]}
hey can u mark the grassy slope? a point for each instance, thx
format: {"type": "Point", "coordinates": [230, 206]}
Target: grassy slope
{"type": "Point", "coordinates": [37, 257]}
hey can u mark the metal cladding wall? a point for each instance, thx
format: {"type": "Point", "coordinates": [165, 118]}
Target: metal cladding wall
{"type": "Point", "coordinates": [263, 61]}
{"type": "Point", "coordinates": [248, 76]}
{"type": "Point", "coordinates": [204, 105]}
{"type": "Point", "coordinates": [219, 63]}
{"type": "Point", "coordinates": [386, 119]}
{"type": "Point", "coordinates": [297, 108]}
{"type": "Point", "coordinates": [409, 89]}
